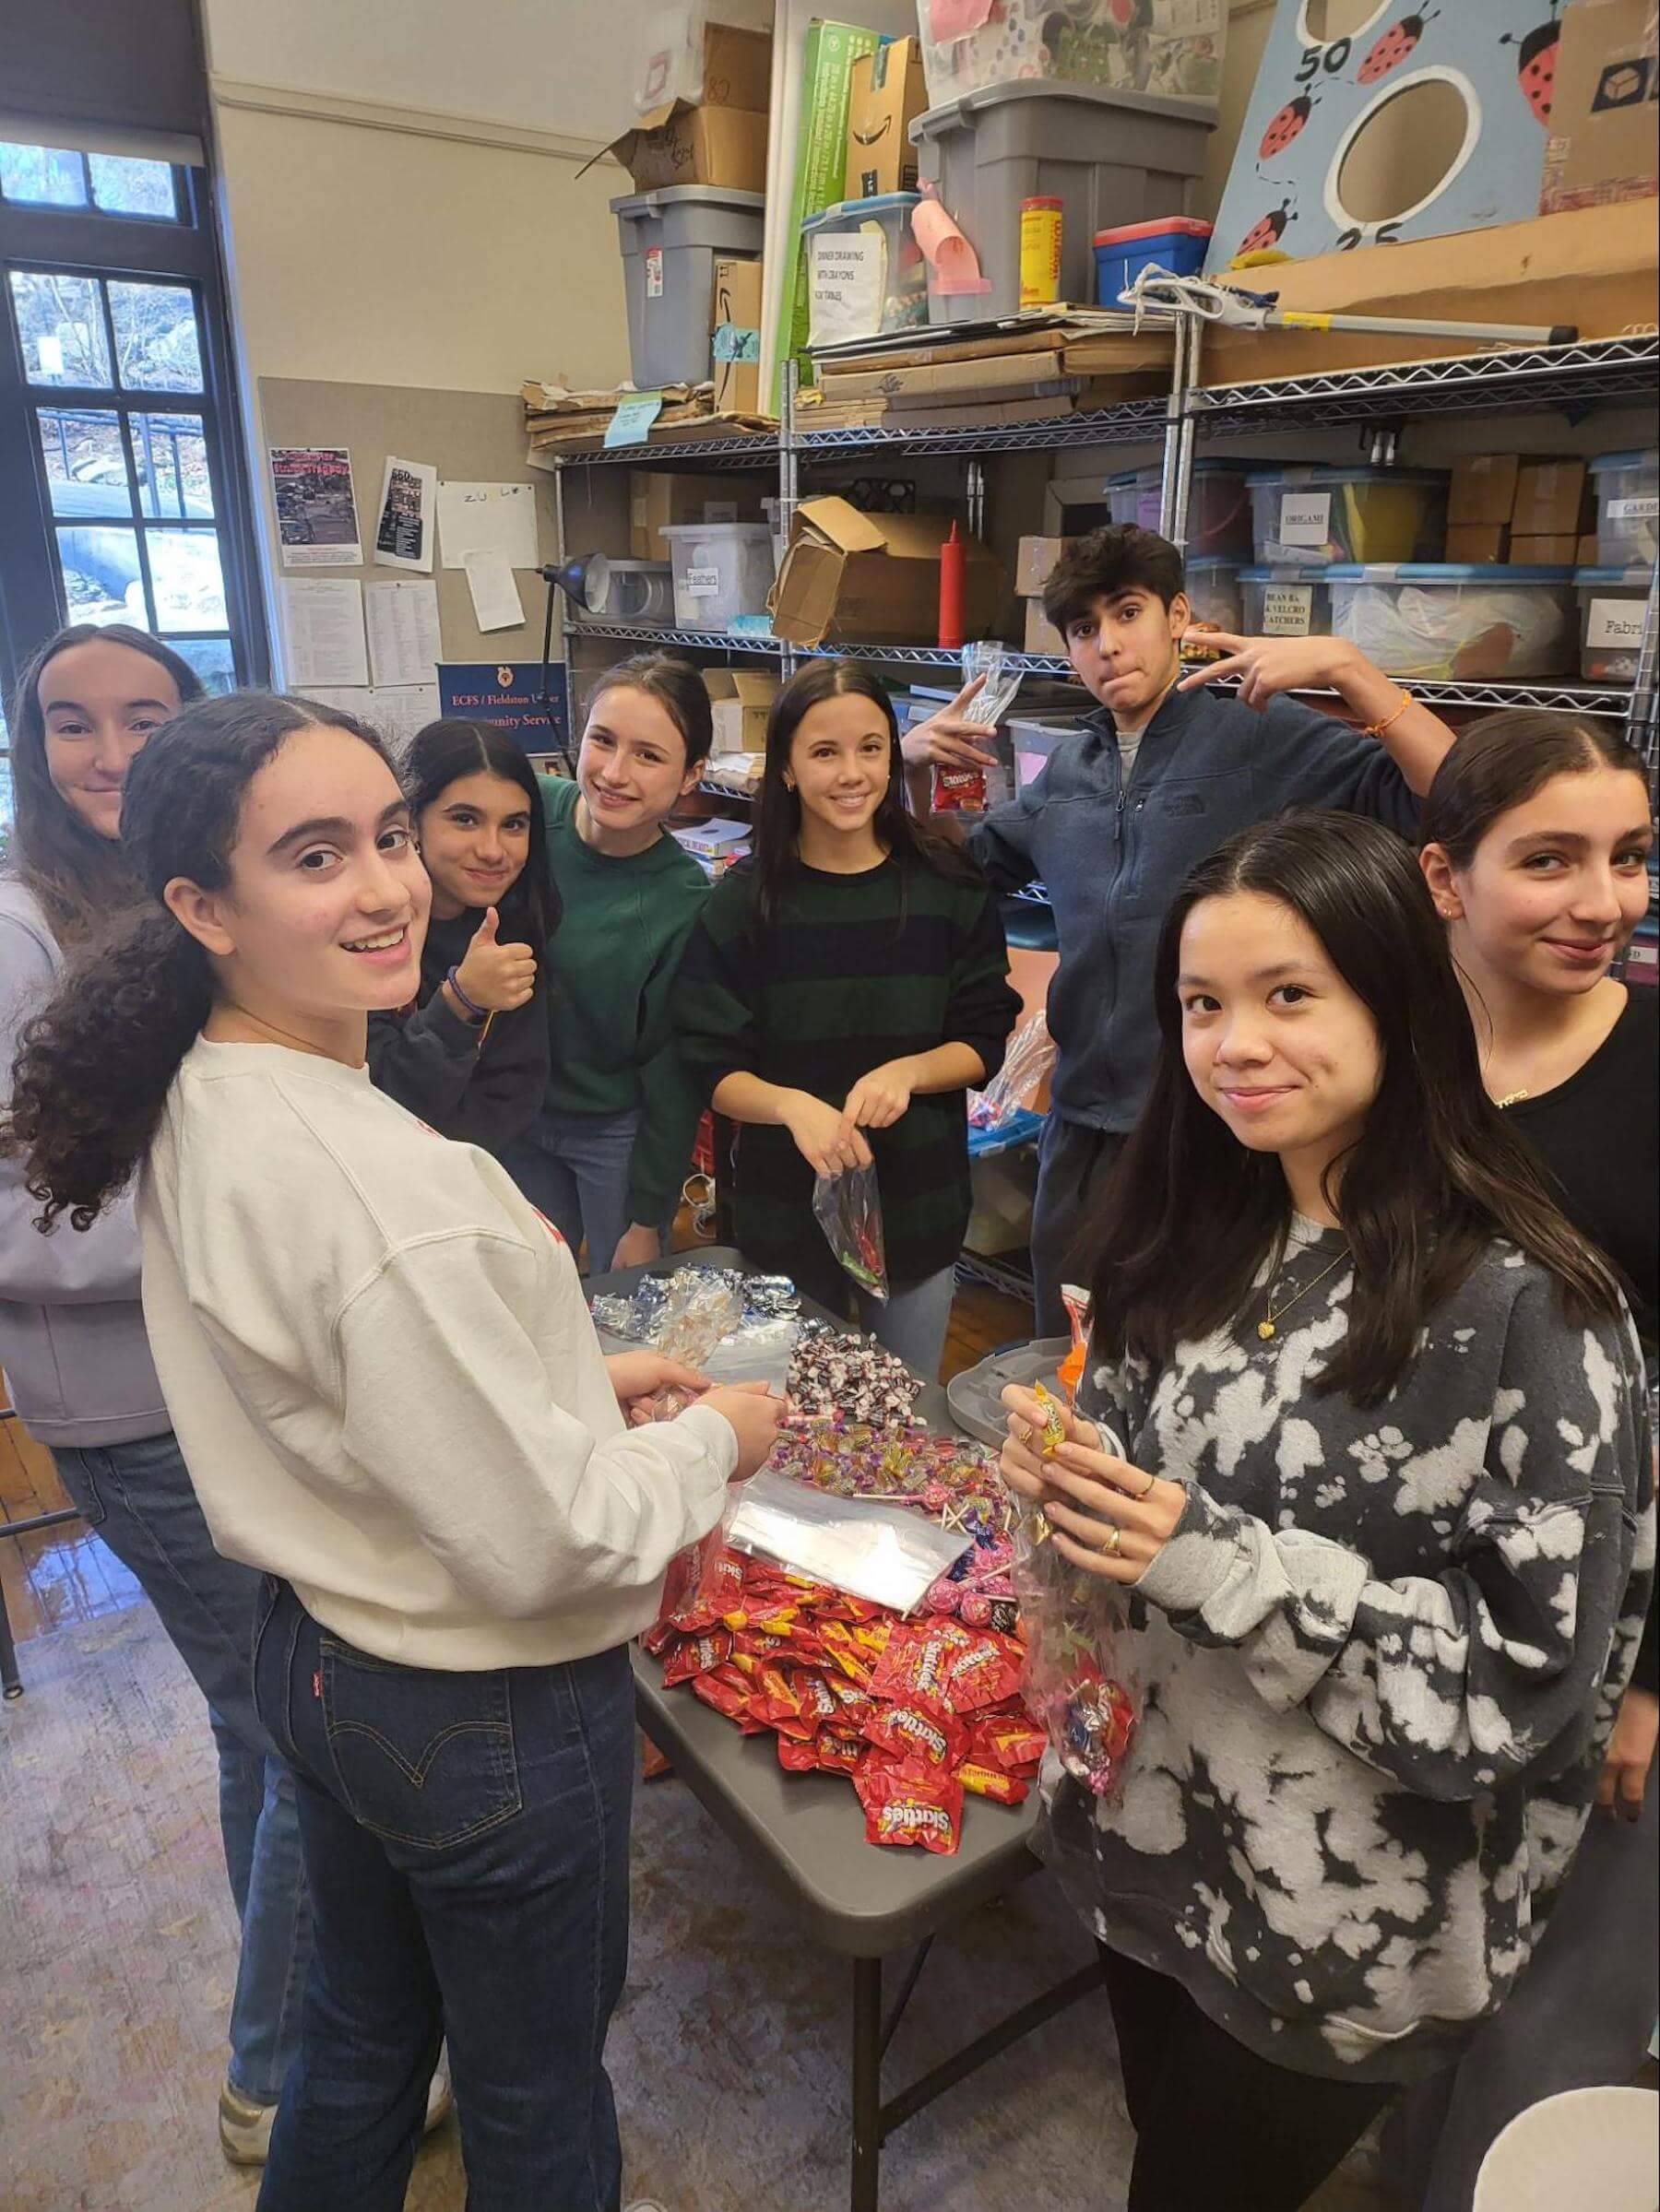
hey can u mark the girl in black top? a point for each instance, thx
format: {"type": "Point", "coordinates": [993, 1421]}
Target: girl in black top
{"type": "Point", "coordinates": [469, 1054]}
{"type": "Point", "coordinates": [1536, 834]}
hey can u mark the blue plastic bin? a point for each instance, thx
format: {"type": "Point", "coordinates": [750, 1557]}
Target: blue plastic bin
{"type": "Point", "coordinates": [1176, 242]}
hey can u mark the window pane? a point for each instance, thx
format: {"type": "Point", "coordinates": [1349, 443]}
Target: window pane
{"type": "Point", "coordinates": [123, 185]}
{"type": "Point", "coordinates": [7, 807]}
{"type": "Point", "coordinates": [172, 454]}
{"type": "Point", "coordinates": [211, 658]}
{"type": "Point", "coordinates": [86, 467]}
{"type": "Point", "coordinates": [60, 322]}
{"type": "Point", "coordinates": [46, 176]}
{"type": "Point", "coordinates": [189, 583]}
{"type": "Point", "coordinates": [156, 345]}
{"type": "Point", "coordinates": [101, 578]}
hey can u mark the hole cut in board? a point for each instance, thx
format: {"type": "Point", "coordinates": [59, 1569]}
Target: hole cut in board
{"type": "Point", "coordinates": [1325, 21]}
{"type": "Point", "coordinates": [1404, 150]}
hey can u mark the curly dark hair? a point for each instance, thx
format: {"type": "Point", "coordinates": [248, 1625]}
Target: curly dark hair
{"type": "Point", "coordinates": [96, 1063]}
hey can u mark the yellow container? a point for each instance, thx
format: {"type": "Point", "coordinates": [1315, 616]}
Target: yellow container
{"type": "Point", "coordinates": [1039, 252]}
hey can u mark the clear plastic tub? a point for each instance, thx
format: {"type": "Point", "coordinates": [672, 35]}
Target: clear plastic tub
{"type": "Point", "coordinates": [1628, 507]}
{"type": "Point", "coordinates": [1159, 49]}
{"type": "Point", "coordinates": [1032, 739]}
{"type": "Point", "coordinates": [865, 270]}
{"type": "Point", "coordinates": [1611, 608]}
{"type": "Point", "coordinates": [1286, 602]}
{"type": "Point", "coordinates": [1213, 591]}
{"type": "Point", "coordinates": [636, 591]}
{"type": "Point", "coordinates": [721, 570]}
{"type": "Point", "coordinates": [1309, 517]}
{"type": "Point", "coordinates": [1219, 506]}
{"type": "Point", "coordinates": [1123, 499]}
{"type": "Point", "coordinates": [1457, 621]}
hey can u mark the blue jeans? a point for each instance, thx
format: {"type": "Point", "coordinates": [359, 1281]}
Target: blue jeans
{"type": "Point", "coordinates": [574, 1168]}
{"type": "Point", "coordinates": [466, 1839]}
{"type": "Point", "coordinates": [138, 1497]}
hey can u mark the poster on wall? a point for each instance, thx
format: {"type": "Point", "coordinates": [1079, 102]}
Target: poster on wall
{"type": "Point", "coordinates": [508, 694]}
{"type": "Point", "coordinates": [316, 510]}
{"type": "Point", "coordinates": [403, 537]}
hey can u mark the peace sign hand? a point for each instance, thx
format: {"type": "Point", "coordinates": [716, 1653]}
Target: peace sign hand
{"type": "Point", "coordinates": [1265, 665]}
{"type": "Point", "coordinates": [951, 739]}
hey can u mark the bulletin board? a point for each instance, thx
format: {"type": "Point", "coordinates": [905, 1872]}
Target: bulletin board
{"type": "Point", "coordinates": [473, 437]}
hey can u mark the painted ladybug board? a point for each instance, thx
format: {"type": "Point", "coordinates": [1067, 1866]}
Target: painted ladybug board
{"type": "Point", "coordinates": [1407, 127]}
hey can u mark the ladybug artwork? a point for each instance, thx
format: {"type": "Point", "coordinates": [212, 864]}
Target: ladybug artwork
{"type": "Point", "coordinates": [1285, 126]}
{"type": "Point", "coordinates": [1536, 66]}
{"type": "Point", "coordinates": [1267, 231]}
{"type": "Point", "coordinates": [1394, 46]}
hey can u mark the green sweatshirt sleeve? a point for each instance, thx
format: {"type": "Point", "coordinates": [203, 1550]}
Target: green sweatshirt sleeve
{"type": "Point", "coordinates": [671, 1101]}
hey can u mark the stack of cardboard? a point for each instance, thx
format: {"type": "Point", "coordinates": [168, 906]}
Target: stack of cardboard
{"type": "Point", "coordinates": [560, 422]}
{"type": "Point", "coordinates": [1011, 375]}
{"type": "Point", "coordinates": [851, 579]}
{"type": "Point", "coordinates": [1525, 513]}
{"type": "Point", "coordinates": [718, 138]}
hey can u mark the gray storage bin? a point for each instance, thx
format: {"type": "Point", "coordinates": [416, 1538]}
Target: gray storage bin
{"type": "Point", "coordinates": [670, 240]}
{"type": "Point", "coordinates": [975, 1396]}
{"type": "Point", "coordinates": [1108, 156]}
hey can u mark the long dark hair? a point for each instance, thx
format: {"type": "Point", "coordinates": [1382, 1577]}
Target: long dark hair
{"type": "Point", "coordinates": [1500, 761]}
{"type": "Point", "coordinates": [678, 689]}
{"type": "Point", "coordinates": [777, 843]}
{"type": "Point", "coordinates": [439, 755]}
{"type": "Point", "coordinates": [1191, 1216]}
{"type": "Point", "coordinates": [78, 877]}
{"type": "Point", "coordinates": [96, 1063]}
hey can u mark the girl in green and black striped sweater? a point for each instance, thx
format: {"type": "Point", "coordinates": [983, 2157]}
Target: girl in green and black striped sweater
{"type": "Point", "coordinates": [838, 994]}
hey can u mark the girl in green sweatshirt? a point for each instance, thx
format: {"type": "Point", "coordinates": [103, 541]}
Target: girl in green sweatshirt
{"type": "Point", "coordinates": [605, 1158]}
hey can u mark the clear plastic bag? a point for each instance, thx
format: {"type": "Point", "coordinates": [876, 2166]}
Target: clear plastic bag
{"type": "Point", "coordinates": [703, 1306]}
{"type": "Point", "coordinates": [848, 1208]}
{"type": "Point", "coordinates": [989, 658]}
{"type": "Point", "coordinates": [1029, 1058]}
{"type": "Point", "coordinates": [887, 1554]}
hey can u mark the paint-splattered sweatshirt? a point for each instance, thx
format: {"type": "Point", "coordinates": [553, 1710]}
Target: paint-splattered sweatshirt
{"type": "Point", "coordinates": [1378, 1662]}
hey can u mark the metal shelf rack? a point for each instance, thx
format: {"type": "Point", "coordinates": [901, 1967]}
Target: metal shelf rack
{"type": "Point", "coordinates": [687, 641]}
{"type": "Point", "coordinates": [1131, 422]}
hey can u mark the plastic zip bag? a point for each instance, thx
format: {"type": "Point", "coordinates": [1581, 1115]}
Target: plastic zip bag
{"type": "Point", "coordinates": [890, 1554]}
{"type": "Point", "coordinates": [848, 1208]}
{"type": "Point", "coordinates": [1029, 1058]}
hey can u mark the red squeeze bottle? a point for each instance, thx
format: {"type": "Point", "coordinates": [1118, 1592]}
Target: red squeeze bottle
{"type": "Point", "coordinates": [953, 561]}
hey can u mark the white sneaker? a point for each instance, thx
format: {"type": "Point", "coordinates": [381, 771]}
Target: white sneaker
{"type": "Point", "coordinates": [246, 2127]}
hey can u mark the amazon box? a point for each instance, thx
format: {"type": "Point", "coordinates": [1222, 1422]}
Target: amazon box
{"type": "Point", "coordinates": [735, 337]}
{"type": "Point", "coordinates": [1034, 562]}
{"type": "Point", "coordinates": [1558, 549]}
{"type": "Point", "coordinates": [740, 702]}
{"type": "Point", "coordinates": [706, 128]}
{"type": "Point", "coordinates": [1602, 143]}
{"type": "Point", "coordinates": [1553, 500]}
{"type": "Point", "coordinates": [887, 95]}
{"type": "Point", "coordinates": [659, 498]}
{"type": "Point", "coordinates": [851, 578]}
{"type": "Point", "coordinates": [1041, 636]}
{"type": "Point", "coordinates": [1486, 542]}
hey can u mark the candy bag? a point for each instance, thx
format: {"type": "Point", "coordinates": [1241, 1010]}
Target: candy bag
{"type": "Point", "coordinates": [702, 1307]}
{"type": "Point", "coordinates": [1029, 1058]}
{"type": "Point", "coordinates": [1075, 1684]}
{"type": "Point", "coordinates": [1077, 1303]}
{"type": "Point", "coordinates": [849, 1209]}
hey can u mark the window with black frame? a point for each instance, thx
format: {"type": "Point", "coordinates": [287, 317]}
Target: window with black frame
{"type": "Point", "coordinates": [117, 417]}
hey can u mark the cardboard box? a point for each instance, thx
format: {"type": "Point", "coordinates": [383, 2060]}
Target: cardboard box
{"type": "Point", "coordinates": [1585, 554]}
{"type": "Point", "coordinates": [1602, 142]}
{"type": "Point", "coordinates": [720, 137]}
{"type": "Point", "coordinates": [735, 337]}
{"type": "Point", "coordinates": [817, 174]}
{"type": "Point", "coordinates": [1483, 488]}
{"type": "Point", "coordinates": [657, 498]}
{"type": "Point", "coordinates": [1551, 500]}
{"type": "Point", "coordinates": [1478, 541]}
{"type": "Point", "coordinates": [740, 702]}
{"type": "Point", "coordinates": [852, 578]}
{"type": "Point", "coordinates": [887, 95]}
{"type": "Point", "coordinates": [1557, 550]}
{"type": "Point", "coordinates": [1041, 636]}
{"type": "Point", "coordinates": [1034, 559]}
{"type": "Point", "coordinates": [1592, 267]}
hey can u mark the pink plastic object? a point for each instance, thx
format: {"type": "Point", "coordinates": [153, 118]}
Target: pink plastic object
{"type": "Point", "coordinates": [953, 267]}
{"type": "Point", "coordinates": [949, 20]}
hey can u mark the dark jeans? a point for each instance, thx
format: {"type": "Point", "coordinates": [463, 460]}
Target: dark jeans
{"type": "Point", "coordinates": [1215, 2124]}
{"type": "Point", "coordinates": [1073, 1162]}
{"type": "Point", "coordinates": [466, 1839]}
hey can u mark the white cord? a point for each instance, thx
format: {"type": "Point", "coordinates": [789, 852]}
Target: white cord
{"type": "Point", "coordinates": [1158, 290]}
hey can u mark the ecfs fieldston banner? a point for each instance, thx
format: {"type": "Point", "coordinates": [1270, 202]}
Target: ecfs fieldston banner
{"type": "Point", "coordinates": [508, 693]}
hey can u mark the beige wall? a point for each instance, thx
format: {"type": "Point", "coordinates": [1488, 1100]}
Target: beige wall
{"type": "Point", "coordinates": [1247, 26]}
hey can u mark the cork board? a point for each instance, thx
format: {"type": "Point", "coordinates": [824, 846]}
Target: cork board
{"type": "Point", "coordinates": [476, 437]}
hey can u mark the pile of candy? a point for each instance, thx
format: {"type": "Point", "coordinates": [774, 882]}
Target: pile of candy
{"type": "Point", "coordinates": [833, 1372]}
{"type": "Point", "coordinates": [912, 1713]}
{"type": "Point", "coordinates": [640, 1317]}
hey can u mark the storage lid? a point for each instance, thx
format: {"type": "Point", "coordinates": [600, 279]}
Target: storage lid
{"type": "Point", "coordinates": [878, 202]}
{"type": "Point", "coordinates": [1124, 476]}
{"type": "Point", "coordinates": [1648, 458]}
{"type": "Point", "coordinates": [1284, 575]}
{"type": "Point", "coordinates": [1193, 560]}
{"type": "Point", "coordinates": [679, 196]}
{"type": "Point", "coordinates": [1151, 471]}
{"type": "Point", "coordinates": [962, 114]}
{"type": "Point", "coordinates": [1440, 572]}
{"type": "Point", "coordinates": [1166, 226]}
{"type": "Point", "coordinates": [739, 532]}
{"type": "Point", "coordinates": [1623, 579]}
{"type": "Point", "coordinates": [1312, 472]}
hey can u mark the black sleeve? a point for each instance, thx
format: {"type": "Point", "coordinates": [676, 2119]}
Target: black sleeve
{"type": "Point", "coordinates": [434, 1063]}
{"type": "Point", "coordinates": [984, 1005]}
{"type": "Point", "coordinates": [1646, 1675]}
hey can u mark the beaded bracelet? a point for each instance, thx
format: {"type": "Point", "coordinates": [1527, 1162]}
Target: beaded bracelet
{"type": "Point", "coordinates": [477, 1013]}
{"type": "Point", "coordinates": [1376, 729]}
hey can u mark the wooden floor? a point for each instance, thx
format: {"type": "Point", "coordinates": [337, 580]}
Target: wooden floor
{"type": "Point", "coordinates": [64, 1575]}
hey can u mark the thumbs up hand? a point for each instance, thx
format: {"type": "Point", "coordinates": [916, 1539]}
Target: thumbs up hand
{"type": "Point", "coordinates": [497, 976]}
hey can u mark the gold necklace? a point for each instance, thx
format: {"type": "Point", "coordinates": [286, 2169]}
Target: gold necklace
{"type": "Point", "coordinates": [259, 1021]}
{"type": "Point", "coordinates": [1509, 1098]}
{"type": "Point", "coordinates": [1266, 1328]}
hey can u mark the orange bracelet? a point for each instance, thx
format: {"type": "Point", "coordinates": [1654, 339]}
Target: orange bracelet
{"type": "Point", "coordinates": [1376, 729]}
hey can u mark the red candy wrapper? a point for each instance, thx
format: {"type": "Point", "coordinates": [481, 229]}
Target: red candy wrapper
{"type": "Point", "coordinates": [991, 1782]}
{"type": "Point", "coordinates": [986, 1674]}
{"type": "Point", "coordinates": [910, 1804]}
{"type": "Point", "coordinates": [691, 1655]}
{"type": "Point", "coordinates": [797, 1757]}
{"type": "Point", "coordinates": [727, 1692]}
{"type": "Point", "coordinates": [1007, 1740]}
{"type": "Point", "coordinates": [912, 1730]}
{"type": "Point", "coordinates": [957, 790]}
{"type": "Point", "coordinates": [839, 1753]}
{"type": "Point", "coordinates": [919, 1657]}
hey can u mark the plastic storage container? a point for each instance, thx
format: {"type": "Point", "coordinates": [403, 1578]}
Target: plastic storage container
{"type": "Point", "coordinates": [1307, 517]}
{"type": "Point", "coordinates": [865, 271]}
{"type": "Point", "coordinates": [670, 240]}
{"type": "Point", "coordinates": [1032, 739]}
{"type": "Point", "coordinates": [1213, 591]}
{"type": "Point", "coordinates": [1177, 244]}
{"type": "Point", "coordinates": [1286, 602]}
{"type": "Point", "coordinates": [636, 591]}
{"type": "Point", "coordinates": [1219, 506]}
{"type": "Point", "coordinates": [1457, 621]}
{"type": "Point", "coordinates": [1106, 156]}
{"type": "Point", "coordinates": [1611, 607]}
{"type": "Point", "coordinates": [1628, 507]}
{"type": "Point", "coordinates": [1089, 42]}
{"type": "Point", "coordinates": [721, 570]}
{"type": "Point", "coordinates": [1125, 497]}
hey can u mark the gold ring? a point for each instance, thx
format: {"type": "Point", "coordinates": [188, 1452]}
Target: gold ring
{"type": "Point", "coordinates": [1022, 1431]}
{"type": "Point", "coordinates": [1146, 1487]}
{"type": "Point", "coordinates": [1112, 1542]}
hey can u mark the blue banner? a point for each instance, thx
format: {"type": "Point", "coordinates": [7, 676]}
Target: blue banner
{"type": "Point", "coordinates": [508, 694]}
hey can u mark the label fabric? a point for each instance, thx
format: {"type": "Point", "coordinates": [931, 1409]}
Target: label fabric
{"type": "Point", "coordinates": [1614, 622]}
{"type": "Point", "coordinates": [1305, 517]}
{"type": "Point", "coordinates": [701, 583]}
{"type": "Point", "coordinates": [1646, 509]}
{"type": "Point", "coordinates": [1287, 610]}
